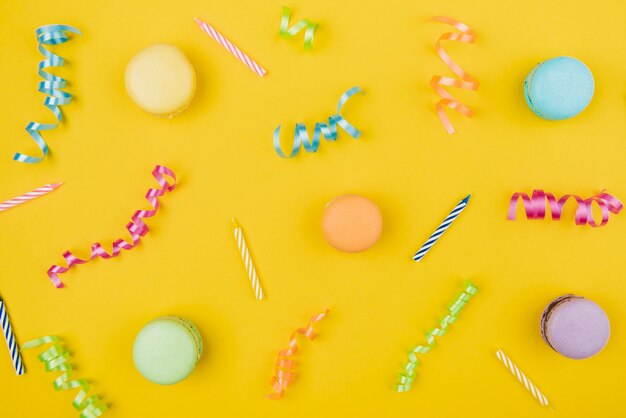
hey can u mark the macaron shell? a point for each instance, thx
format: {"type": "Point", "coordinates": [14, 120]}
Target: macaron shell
{"type": "Point", "coordinates": [577, 328]}
{"type": "Point", "coordinates": [559, 88]}
{"type": "Point", "coordinates": [351, 223]}
{"type": "Point", "coordinates": [161, 80]}
{"type": "Point", "coordinates": [166, 350]}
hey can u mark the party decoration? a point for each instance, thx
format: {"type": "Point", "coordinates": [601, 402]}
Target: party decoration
{"type": "Point", "coordinates": [329, 131]}
{"type": "Point", "coordinates": [287, 32]}
{"type": "Point", "coordinates": [51, 86]}
{"type": "Point", "coordinates": [230, 47]}
{"type": "Point", "coordinates": [38, 192]}
{"type": "Point", "coordinates": [247, 261]}
{"type": "Point", "coordinates": [408, 375]}
{"type": "Point", "coordinates": [535, 206]}
{"type": "Point", "coordinates": [465, 80]}
{"type": "Point", "coordinates": [136, 227]}
{"type": "Point", "coordinates": [9, 337]}
{"type": "Point", "coordinates": [285, 369]}
{"type": "Point", "coordinates": [57, 359]}
{"type": "Point", "coordinates": [508, 363]}
{"type": "Point", "coordinates": [441, 228]}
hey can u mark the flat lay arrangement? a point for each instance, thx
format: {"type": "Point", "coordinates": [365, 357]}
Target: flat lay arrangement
{"type": "Point", "coordinates": [471, 148]}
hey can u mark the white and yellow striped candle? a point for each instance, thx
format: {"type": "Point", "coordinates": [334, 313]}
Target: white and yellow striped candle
{"type": "Point", "coordinates": [247, 261]}
{"type": "Point", "coordinates": [515, 371]}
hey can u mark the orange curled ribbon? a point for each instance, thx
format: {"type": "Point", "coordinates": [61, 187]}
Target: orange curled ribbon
{"type": "Point", "coordinates": [465, 81]}
{"type": "Point", "coordinates": [285, 369]}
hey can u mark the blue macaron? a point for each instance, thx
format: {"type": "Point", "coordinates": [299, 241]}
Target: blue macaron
{"type": "Point", "coordinates": [559, 88]}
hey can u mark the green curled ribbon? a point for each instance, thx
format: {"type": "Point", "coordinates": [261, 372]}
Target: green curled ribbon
{"type": "Point", "coordinates": [327, 130]}
{"type": "Point", "coordinates": [408, 375]}
{"type": "Point", "coordinates": [287, 32]}
{"type": "Point", "coordinates": [57, 359]}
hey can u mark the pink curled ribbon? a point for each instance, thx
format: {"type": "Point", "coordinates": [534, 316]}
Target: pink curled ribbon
{"type": "Point", "coordinates": [465, 81]}
{"type": "Point", "coordinates": [536, 208]}
{"type": "Point", "coordinates": [285, 369]}
{"type": "Point", "coordinates": [136, 227]}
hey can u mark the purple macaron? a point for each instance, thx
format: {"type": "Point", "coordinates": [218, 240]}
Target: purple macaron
{"type": "Point", "coordinates": [575, 327]}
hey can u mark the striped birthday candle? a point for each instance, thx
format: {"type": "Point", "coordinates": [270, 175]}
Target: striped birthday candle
{"type": "Point", "coordinates": [247, 261]}
{"type": "Point", "coordinates": [230, 47]}
{"type": "Point", "coordinates": [14, 349]}
{"type": "Point", "coordinates": [441, 229]}
{"type": "Point", "coordinates": [521, 377]}
{"type": "Point", "coordinates": [38, 192]}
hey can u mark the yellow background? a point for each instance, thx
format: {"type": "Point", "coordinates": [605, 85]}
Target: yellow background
{"type": "Point", "coordinates": [381, 302]}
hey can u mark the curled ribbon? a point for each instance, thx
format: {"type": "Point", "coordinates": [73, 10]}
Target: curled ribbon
{"type": "Point", "coordinates": [328, 131]}
{"type": "Point", "coordinates": [51, 86]}
{"type": "Point", "coordinates": [287, 32]}
{"type": "Point", "coordinates": [408, 375]}
{"type": "Point", "coordinates": [136, 227]}
{"type": "Point", "coordinates": [536, 208]}
{"type": "Point", "coordinates": [57, 359]}
{"type": "Point", "coordinates": [465, 81]}
{"type": "Point", "coordinates": [285, 369]}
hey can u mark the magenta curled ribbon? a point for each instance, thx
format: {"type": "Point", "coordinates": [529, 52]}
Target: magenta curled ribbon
{"type": "Point", "coordinates": [536, 207]}
{"type": "Point", "coordinates": [136, 227]}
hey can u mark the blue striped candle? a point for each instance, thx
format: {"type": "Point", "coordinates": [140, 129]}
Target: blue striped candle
{"type": "Point", "coordinates": [441, 229]}
{"type": "Point", "coordinates": [14, 350]}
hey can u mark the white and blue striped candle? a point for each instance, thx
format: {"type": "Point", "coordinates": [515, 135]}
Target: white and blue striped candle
{"type": "Point", "coordinates": [14, 349]}
{"type": "Point", "coordinates": [441, 229]}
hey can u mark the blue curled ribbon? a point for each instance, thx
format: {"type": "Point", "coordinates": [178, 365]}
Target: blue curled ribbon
{"type": "Point", "coordinates": [51, 86]}
{"type": "Point", "coordinates": [328, 131]}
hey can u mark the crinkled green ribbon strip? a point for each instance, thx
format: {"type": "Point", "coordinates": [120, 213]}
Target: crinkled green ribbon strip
{"type": "Point", "coordinates": [287, 32]}
{"type": "Point", "coordinates": [57, 359]}
{"type": "Point", "coordinates": [408, 375]}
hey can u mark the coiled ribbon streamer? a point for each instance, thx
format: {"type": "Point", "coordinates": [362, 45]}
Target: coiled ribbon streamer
{"type": "Point", "coordinates": [328, 131]}
{"type": "Point", "coordinates": [51, 86]}
{"type": "Point", "coordinates": [287, 32]}
{"type": "Point", "coordinates": [536, 208]}
{"type": "Point", "coordinates": [465, 81]}
{"type": "Point", "coordinates": [408, 375]}
{"type": "Point", "coordinates": [57, 359]}
{"type": "Point", "coordinates": [136, 227]}
{"type": "Point", "coordinates": [285, 369]}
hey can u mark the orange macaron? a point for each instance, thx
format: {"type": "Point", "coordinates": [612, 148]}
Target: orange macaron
{"type": "Point", "coordinates": [351, 223]}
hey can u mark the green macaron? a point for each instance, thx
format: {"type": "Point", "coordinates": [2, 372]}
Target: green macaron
{"type": "Point", "coordinates": [167, 349]}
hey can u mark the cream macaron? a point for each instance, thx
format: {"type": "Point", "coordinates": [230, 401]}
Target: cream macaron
{"type": "Point", "coordinates": [161, 80]}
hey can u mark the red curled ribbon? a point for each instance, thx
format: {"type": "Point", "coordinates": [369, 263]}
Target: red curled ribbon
{"type": "Point", "coordinates": [136, 227]}
{"type": "Point", "coordinates": [536, 207]}
{"type": "Point", "coordinates": [285, 369]}
{"type": "Point", "coordinates": [466, 82]}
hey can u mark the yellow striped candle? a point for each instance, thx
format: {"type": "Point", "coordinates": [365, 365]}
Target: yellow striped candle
{"type": "Point", "coordinates": [247, 261]}
{"type": "Point", "coordinates": [515, 371]}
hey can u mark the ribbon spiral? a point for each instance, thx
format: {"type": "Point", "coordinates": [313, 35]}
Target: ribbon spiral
{"type": "Point", "coordinates": [329, 131]}
{"type": "Point", "coordinates": [536, 208]}
{"type": "Point", "coordinates": [287, 32]}
{"type": "Point", "coordinates": [408, 375]}
{"type": "Point", "coordinates": [285, 369]}
{"type": "Point", "coordinates": [51, 86]}
{"type": "Point", "coordinates": [465, 81]}
{"type": "Point", "coordinates": [57, 359]}
{"type": "Point", "coordinates": [136, 227]}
